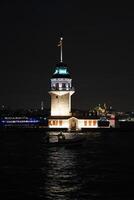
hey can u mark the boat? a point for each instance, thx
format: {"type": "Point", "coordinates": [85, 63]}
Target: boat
{"type": "Point", "coordinates": [62, 140]}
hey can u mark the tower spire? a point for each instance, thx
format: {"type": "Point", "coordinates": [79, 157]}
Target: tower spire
{"type": "Point", "coordinates": [61, 48]}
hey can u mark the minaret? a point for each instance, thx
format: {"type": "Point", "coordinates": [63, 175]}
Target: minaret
{"type": "Point", "coordinates": [61, 88]}
{"type": "Point", "coordinates": [42, 105]}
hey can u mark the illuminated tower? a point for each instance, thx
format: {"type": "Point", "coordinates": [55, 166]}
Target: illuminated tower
{"type": "Point", "coordinates": [61, 88]}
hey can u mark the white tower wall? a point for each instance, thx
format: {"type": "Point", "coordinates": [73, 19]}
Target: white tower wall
{"type": "Point", "coordinates": [61, 103]}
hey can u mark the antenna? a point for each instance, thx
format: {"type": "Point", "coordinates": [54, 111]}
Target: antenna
{"type": "Point", "coordinates": [61, 48]}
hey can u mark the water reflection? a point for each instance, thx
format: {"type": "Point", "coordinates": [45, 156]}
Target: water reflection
{"type": "Point", "coordinates": [60, 178]}
{"type": "Point", "coordinates": [101, 169]}
{"type": "Point", "coordinates": [91, 171]}
{"type": "Point", "coordinates": [64, 170]}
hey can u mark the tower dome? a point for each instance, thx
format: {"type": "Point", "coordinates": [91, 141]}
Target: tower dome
{"type": "Point", "coordinates": [61, 71]}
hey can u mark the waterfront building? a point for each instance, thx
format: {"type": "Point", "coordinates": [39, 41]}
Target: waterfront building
{"type": "Point", "coordinates": [61, 91]}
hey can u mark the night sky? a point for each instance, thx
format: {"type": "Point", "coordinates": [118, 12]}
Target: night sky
{"type": "Point", "coordinates": [98, 48]}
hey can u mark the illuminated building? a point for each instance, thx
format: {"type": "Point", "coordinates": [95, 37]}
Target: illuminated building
{"type": "Point", "coordinates": [23, 122]}
{"type": "Point", "coordinates": [61, 92]}
{"type": "Point", "coordinates": [61, 89]}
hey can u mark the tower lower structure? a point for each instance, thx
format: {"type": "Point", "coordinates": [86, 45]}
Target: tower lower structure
{"type": "Point", "coordinates": [61, 91]}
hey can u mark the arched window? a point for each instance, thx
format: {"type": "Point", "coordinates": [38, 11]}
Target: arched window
{"type": "Point", "coordinates": [64, 85]}
{"type": "Point", "coordinates": [57, 85]}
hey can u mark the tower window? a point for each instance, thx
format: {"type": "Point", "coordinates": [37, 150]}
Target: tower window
{"type": "Point", "coordinates": [63, 85]}
{"type": "Point", "coordinates": [56, 97]}
{"type": "Point", "coordinates": [57, 85]}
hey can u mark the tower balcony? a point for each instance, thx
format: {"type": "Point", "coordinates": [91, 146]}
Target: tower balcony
{"type": "Point", "coordinates": [62, 88]}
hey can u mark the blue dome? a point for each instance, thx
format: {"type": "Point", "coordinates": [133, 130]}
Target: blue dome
{"type": "Point", "coordinates": [61, 71]}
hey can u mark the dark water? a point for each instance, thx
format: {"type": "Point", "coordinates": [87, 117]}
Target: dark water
{"type": "Point", "coordinates": [103, 168]}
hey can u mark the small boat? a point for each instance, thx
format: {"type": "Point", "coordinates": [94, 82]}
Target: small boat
{"type": "Point", "coordinates": [61, 140]}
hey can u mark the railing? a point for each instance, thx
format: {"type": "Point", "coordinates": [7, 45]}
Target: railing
{"type": "Point", "coordinates": [62, 88]}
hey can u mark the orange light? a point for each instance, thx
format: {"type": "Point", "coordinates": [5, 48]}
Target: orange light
{"type": "Point", "coordinates": [85, 123]}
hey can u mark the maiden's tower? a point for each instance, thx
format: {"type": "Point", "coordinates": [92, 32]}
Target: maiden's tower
{"type": "Point", "coordinates": [61, 91]}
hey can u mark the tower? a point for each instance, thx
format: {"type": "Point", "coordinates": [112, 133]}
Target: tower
{"type": "Point", "coordinates": [42, 105]}
{"type": "Point", "coordinates": [61, 88]}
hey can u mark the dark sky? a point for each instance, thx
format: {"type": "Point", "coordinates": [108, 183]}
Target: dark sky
{"type": "Point", "coordinates": [98, 48]}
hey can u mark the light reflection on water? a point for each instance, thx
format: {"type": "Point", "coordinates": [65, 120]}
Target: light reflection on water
{"type": "Point", "coordinates": [65, 173]}
{"type": "Point", "coordinates": [96, 170]}
{"type": "Point", "coordinates": [102, 168]}
{"type": "Point", "coordinates": [61, 177]}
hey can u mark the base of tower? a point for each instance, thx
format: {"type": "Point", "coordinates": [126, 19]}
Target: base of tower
{"type": "Point", "coordinates": [75, 124]}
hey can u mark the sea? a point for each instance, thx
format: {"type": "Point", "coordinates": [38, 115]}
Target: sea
{"type": "Point", "coordinates": [101, 168]}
